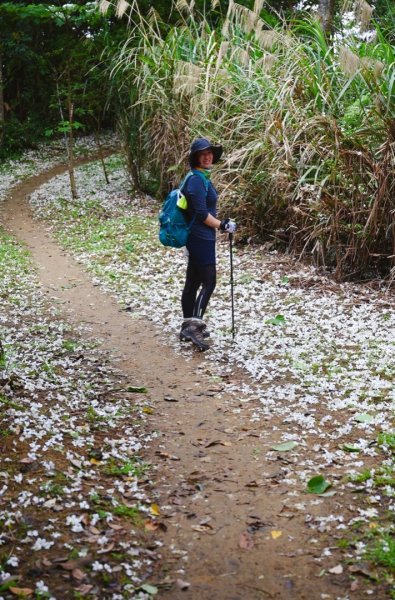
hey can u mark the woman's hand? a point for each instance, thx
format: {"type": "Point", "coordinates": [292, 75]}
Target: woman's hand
{"type": "Point", "coordinates": [228, 226]}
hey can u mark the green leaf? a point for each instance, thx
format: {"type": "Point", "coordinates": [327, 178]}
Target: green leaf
{"type": "Point", "coordinates": [350, 448]}
{"type": "Point", "coordinates": [285, 446]}
{"type": "Point", "coordinates": [363, 418]}
{"type": "Point", "coordinates": [7, 584]}
{"type": "Point", "coordinates": [278, 320]}
{"type": "Point", "coordinates": [318, 485]}
{"type": "Point", "coordinates": [149, 589]}
{"type": "Point", "coordinates": [136, 390]}
{"type": "Point", "coordinates": [284, 279]}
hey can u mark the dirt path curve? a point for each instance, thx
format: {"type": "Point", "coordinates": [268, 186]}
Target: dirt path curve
{"type": "Point", "coordinates": [221, 510]}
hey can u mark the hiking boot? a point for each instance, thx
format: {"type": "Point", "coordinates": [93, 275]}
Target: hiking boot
{"type": "Point", "coordinates": [193, 330]}
{"type": "Point", "coordinates": [206, 333]}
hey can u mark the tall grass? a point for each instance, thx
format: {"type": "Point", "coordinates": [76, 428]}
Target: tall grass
{"type": "Point", "coordinates": [308, 129]}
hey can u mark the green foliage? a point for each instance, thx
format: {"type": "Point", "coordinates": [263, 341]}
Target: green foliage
{"type": "Point", "coordinates": [317, 485]}
{"type": "Point", "coordinates": [131, 468]}
{"type": "Point", "coordinates": [130, 512]}
{"type": "Point", "coordinates": [52, 54]}
{"type": "Point", "coordinates": [387, 440]}
{"type": "Point", "coordinates": [383, 552]}
{"type": "Point", "coordinates": [307, 128]}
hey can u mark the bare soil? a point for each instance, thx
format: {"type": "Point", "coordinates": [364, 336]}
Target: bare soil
{"type": "Point", "coordinates": [229, 532]}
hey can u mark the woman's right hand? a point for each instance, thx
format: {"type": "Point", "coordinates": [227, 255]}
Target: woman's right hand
{"type": "Point", "coordinates": [228, 226]}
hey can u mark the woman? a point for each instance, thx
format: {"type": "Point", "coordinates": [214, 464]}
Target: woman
{"type": "Point", "coordinates": [200, 279]}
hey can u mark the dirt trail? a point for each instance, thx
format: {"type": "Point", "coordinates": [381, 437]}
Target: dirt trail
{"type": "Point", "coordinates": [220, 510]}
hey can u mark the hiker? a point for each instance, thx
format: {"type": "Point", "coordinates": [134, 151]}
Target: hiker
{"type": "Point", "coordinates": [200, 279]}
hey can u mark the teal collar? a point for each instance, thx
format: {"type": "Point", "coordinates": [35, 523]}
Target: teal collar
{"type": "Point", "coordinates": [205, 172]}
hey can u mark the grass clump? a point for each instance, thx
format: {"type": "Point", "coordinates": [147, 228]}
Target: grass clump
{"type": "Point", "coordinates": [306, 124]}
{"type": "Point", "coordinates": [383, 552]}
{"type": "Point", "coordinates": [131, 468]}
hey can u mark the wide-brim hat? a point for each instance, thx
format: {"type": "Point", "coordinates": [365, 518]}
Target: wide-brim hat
{"type": "Point", "coordinates": [204, 144]}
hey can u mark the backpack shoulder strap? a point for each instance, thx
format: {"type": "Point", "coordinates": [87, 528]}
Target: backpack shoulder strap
{"type": "Point", "coordinates": [202, 176]}
{"type": "Point", "coordinates": [183, 182]}
{"type": "Point", "coordinates": [195, 172]}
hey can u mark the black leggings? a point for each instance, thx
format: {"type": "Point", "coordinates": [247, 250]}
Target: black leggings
{"type": "Point", "coordinates": [198, 275]}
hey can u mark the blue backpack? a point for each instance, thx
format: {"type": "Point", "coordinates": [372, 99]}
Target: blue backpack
{"type": "Point", "coordinates": [174, 223]}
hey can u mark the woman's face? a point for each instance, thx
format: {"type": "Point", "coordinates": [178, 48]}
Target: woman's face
{"type": "Point", "coordinates": [205, 159]}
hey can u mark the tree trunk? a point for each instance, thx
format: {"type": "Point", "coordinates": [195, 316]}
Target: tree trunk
{"type": "Point", "coordinates": [99, 146]}
{"type": "Point", "coordinates": [1, 100]}
{"type": "Point", "coordinates": [70, 141]}
{"type": "Point", "coordinates": [326, 12]}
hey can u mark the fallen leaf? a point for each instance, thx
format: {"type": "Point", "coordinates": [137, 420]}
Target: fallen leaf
{"type": "Point", "coordinates": [278, 320]}
{"type": "Point", "coordinates": [183, 585]}
{"type": "Point", "coordinates": [115, 527]}
{"type": "Point", "coordinates": [256, 524]}
{"type": "Point", "coordinates": [46, 562]}
{"type": "Point", "coordinates": [155, 510]}
{"type": "Point", "coordinates": [318, 485]}
{"type": "Point", "coordinates": [203, 528]}
{"type": "Point", "coordinates": [285, 446]}
{"type": "Point", "coordinates": [72, 565]}
{"type": "Point", "coordinates": [363, 418]}
{"type": "Point", "coordinates": [149, 589]}
{"type": "Point", "coordinates": [338, 570]}
{"type": "Point", "coordinates": [363, 569]}
{"type": "Point", "coordinates": [287, 515]}
{"type": "Point", "coordinates": [154, 525]}
{"type": "Point", "coordinates": [94, 530]}
{"type": "Point", "coordinates": [50, 503]}
{"type": "Point", "coordinates": [253, 484]}
{"type": "Point", "coordinates": [78, 574]}
{"type": "Point", "coordinates": [136, 389]}
{"type": "Point", "coordinates": [148, 410]}
{"type": "Point", "coordinates": [328, 494]}
{"type": "Point", "coordinates": [151, 525]}
{"type": "Point", "coordinates": [350, 448]}
{"type": "Point", "coordinates": [276, 534]}
{"type": "Point", "coordinates": [84, 588]}
{"type": "Point", "coordinates": [245, 541]}
{"type": "Point", "coordinates": [22, 592]}
{"type": "Point", "coordinates": [217, 443]}
{"type": "Point", "coordinates": [162, 454]}
{"type": "Point", "coordinates": [106, 549]}
{"type": "Point", "coordinates": [215, 388]}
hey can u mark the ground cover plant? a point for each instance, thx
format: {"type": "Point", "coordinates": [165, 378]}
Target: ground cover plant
{"type": "Point", "coordinates": [307, 125]}
{"type": "Point", "coordinates": [74, 487]}
{"type": "Point", "coordinates": [319, 354]}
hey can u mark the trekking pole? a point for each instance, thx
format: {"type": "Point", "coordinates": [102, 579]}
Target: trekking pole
{"type": "Point", "coordinates": [231, 283]}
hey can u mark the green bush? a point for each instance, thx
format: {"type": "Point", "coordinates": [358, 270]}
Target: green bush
{"type": "Point", "coordinates": [308, 129]}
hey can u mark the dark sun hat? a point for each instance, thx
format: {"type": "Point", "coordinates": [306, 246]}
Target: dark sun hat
{"type": "Point", "coordinates": [203, 144]}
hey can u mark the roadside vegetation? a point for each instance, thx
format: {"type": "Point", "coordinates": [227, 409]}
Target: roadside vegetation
{"type": "Point", "coordinates": [305, 110]}
{"type": "Point", "coordinates": [74, 487]}
{"type": "Point", "coordinates": [319, 356]}
{"type": "Point", "coordinates": [307, 122]}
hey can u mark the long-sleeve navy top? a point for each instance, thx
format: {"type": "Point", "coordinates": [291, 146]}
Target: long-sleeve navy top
{"type": "Point", "coordinates": [200, 204]}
